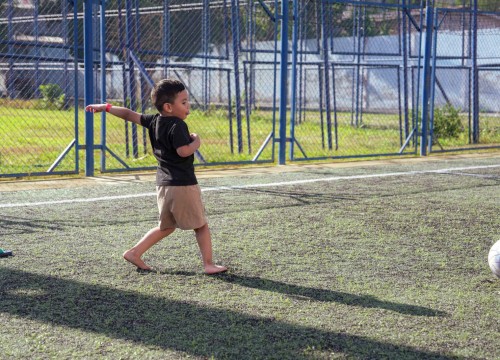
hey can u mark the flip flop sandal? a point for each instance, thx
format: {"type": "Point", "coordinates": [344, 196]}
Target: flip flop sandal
{"type": "Point", "coordinates": [5, 253]}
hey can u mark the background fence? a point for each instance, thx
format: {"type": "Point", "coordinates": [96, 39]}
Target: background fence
{"type": "Point", "coordinates": [319, 79]}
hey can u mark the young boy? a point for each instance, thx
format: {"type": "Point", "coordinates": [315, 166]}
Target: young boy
{"type": "Point", "coordinates": [178, 193]}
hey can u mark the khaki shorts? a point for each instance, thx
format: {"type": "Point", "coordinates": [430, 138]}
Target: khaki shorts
{"type": "Point", "coordinates": [180, 207]}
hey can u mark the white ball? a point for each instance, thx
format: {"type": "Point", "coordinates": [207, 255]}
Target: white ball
{"type": "Point", "coordinates": [494, 259]}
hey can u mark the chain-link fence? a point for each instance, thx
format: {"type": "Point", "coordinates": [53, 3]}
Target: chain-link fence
{"type": "Point", "coordinates": [38, 87]}
{"type": "Point", "coordinates": [355, 85]}
{"type": "Point", "coordinates": [370, 99]}
{"type": "Point", "coordinates": [213, 47]}
{"type": "Point", "coordinates": [349, 80]}
{"type": "Point", "coordinates": [465, 82]}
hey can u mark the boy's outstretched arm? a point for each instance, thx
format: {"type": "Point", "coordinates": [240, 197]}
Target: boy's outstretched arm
{"type": "Point", "coordinates": [121, 112]}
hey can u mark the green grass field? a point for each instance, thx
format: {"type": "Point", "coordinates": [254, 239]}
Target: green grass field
{"type": "Point", "coordinates": [33, 138]}
{"type": "Point", "coordinates": [363, 262]}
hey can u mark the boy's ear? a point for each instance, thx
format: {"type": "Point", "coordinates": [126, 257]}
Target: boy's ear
{"type": "Point", "coordinates": [167, 107]}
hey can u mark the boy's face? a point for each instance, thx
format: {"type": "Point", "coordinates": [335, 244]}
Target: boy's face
{"type": "Point", "coordinates": [180, 107]}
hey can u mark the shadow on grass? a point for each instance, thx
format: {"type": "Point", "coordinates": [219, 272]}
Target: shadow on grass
{"type": "Point", "coordinates": [11, 225]}
{"type": "Point", "coordinates": [176, 325]}
{"type": "Point", "coordinates": [304, 195]}
{"type": "Point", "coordinates": [35, 222]}
{"type": "Point", "coordinates": [307, 293]}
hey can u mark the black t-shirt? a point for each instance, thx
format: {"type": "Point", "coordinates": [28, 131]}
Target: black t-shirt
{"type": "Point", "coordinates": [167, 134]}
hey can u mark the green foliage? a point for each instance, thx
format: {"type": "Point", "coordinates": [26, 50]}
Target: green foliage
{"type": "Point", "coordinates": [447, 122]}
{"type": "Point", "coordinates": [53, 96]}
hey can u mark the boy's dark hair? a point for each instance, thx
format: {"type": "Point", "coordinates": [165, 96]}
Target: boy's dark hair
{"type": "Point", "coordinates": [165, 91]}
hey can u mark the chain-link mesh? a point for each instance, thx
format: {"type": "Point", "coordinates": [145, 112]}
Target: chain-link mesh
{"type": "Point", "coordinates": [482, 5]}
{"type": "Point", "coordinates": [350, 93]}
{"type": "Point", "coordinates": [197, 42]}
{"type": "Point", "coordinates": [354, 80]}
{"type": "Point", "coordinates": [455, 87]}
{"type": "Point", "coordinates": [369, 99]}
{"type": "Point", "coordinates": [37, 87]}
{"type": "Point", "coordinates": [486, 128]}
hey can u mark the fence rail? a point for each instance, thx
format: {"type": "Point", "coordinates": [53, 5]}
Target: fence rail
{"type": "Point", "coordinates": [360, 78]}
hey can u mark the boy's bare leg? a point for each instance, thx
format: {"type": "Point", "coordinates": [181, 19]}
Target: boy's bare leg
{"type": "Point", "coordinates": [205, 244]}
{"type": "Point", "coordinates": [152, 237]}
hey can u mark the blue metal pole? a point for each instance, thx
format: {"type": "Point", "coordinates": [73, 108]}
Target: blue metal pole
{"type": "Point", "coordinates": [357, 77]}
{"type": "Point", "coordinates": [475, 78]}
{"type": "Point", "coordinates": [283, 82]}
{"type": "Point", "coordinates": [248, 109]}
{"type": "Point", "coordinates": [335, 111]}
{"type": "Point", "coordinates": [228, 73]}
{"type": "Point", "coordinates": [320, 77]}
{"type": "Point", "coordinates": [302, 70]}
{"type": "Point", "coordinates": [64, 32]}
{"type": "Point", "coordinates": [166, 37]}
{"type": "Point", "coordinates": [405, 71]}
{"type": "Point", "coordinates": [75, 83]}
{"type": "Point", "coordinates": [426, 78]}
{"type": "Point", "coordinates": [37, 47]}
{"type": "Point", "coordinates": [327, 75]}
{"type": "Point", "coordinates": [354, 80]}
{"type": "Point", "coordinates": [124, 73]}
{"type": "Point", "coordinates": [102, 41]}
{"type": "Point", "coordinates": [131, 73]}
{"type": "Point", "coordinates": [231, 140]}
{"type": "Point", "coordinates": [205, 45]}
{"type": "Point", "coordinates": [142, 82]}
{"type": "Point", "coordinates": [253, 56]}
{"type": "Point", "coordinates": [275, 73]}
{"type": "Point", "coordinates": [416, 94]}
{"type": "Point", "coordinates": [226, 30]}
{"type": "Point", "coordinates": [293, 105]}
{"type": "Point", "coordinates": [251, 48]}
{"type": "Point", "coordinates": [398, 77]}
{"type": "Point", "coordinates": [433, 81]}
{"type": "Point", "coordinates": [10, 34]}
{"type": "Point", "coordinates": [236, 63]}
{"type": "Point", "coordinates": [88, 87]}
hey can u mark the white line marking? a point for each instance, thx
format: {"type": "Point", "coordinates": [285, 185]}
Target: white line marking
{"type": "Point", "coordinates": [77, 200]}
{"type": "Point", "coordinates": [477, 175]}
{"type": "Point", "coordinates": [251, 186]}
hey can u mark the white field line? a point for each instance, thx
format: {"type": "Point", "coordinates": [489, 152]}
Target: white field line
{"type": "Point", "coordinates": [250, 186]}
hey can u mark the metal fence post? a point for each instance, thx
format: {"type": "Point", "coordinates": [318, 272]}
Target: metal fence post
{"type": "Point", "coordinates": [130, 20]}
{"type": "Point", "coordinates": [10, 49]}
{"type": "Point", "coordinates": [89, 87]}
{"type": "Point", "coordinates": [426, 84]}
{"type": "Point", "coordinates": [326, 67]}
{"type": "Point", "coordinates": [102, 41]}
{"type": "Point", "coordinates": [293, 100]}
{"type": "Point", "coordinates": [433, 81]}
{"type": "Point", "coordinates": [237, 90]}
{"type": "Point", "coordinates": [76, 86]}
{"type": "Point", "coordinates": [283, 82]}
{"type": "Point", "coordinates": [475, 78]}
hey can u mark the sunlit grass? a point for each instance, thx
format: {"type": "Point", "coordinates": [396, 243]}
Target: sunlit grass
{"type": "Point", "coordinates": [32, 138]}
{"type": "Point", "coordinates": [371, 267]}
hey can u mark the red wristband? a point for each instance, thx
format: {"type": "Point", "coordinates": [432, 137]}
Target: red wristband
{"type": "Point", "coordinates": [108, 107]}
